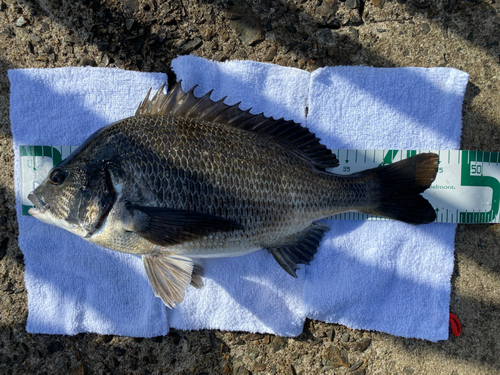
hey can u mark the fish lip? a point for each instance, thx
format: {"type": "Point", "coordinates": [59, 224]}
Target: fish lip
{"type": "Point", "coordinates": [40, 205]}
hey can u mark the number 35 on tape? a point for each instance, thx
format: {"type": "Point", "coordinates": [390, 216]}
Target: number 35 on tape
{"type": "Point", "coordinates": [466, 189]}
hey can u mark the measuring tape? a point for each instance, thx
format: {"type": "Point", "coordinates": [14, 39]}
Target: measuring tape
{"type": "Point", "coordinates": [466, 189]}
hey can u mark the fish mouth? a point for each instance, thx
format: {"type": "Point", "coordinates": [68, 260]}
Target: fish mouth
{"type": "Point", "coordinates": [40, 206]}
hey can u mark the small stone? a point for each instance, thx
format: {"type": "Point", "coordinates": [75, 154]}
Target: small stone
{"type": "Point", "coordinates": [260, 36]}
{"type": "Point", "coordinates": [270, 54]}
{"type": "Point", "coordinates": [355, 365]}
{"type": "Point", "coordinates": [21, 21]}
{"type": "Point", "coordinates": [333, 356]}
{"type": "Point", "coordinates": [252, 353]}
{"type": "Point", "coordinates": [207, 34]}
{"type": "Point", "coordinates": [378, 3]}
{"type": "Point", "coordinates": [259, 367]}
{"type": "Point", "coordinates": [289, 46]}
{"type": "Point", "coordinates": [139, 42]}
{"type": "Point", "coordinates": [363, 344]}
{"type": "Point", "coordinates": [408, 371]}
{"type": "Point", "coordinates": [78, 370]}
{"type": "Point", "coordinates": [279, 343]}
{"type": "Point", "coordinates": [24, 348]}
{"type": "Point", "coordinates": [241, 371]}
{"type": "Point", "coordinates": [352, 4]}
{"type": "Point", "coordinates": [253, 336]}
{"type": "Point", "coordinates": [118, 351]}
{"type": "Point", "coordinates": [88, 62]}
{"type": "Point", "coordinates": [55, 346]}
{"type": "Point", "coordinates": [191, 46]}
{"type": "Point", "coordinates": [226, 370]}
{"type": "Point", "coordinates": [290, 370]}
{"type": "Point", "coordinates": [105, 60]}
{"type": "Point", "coordinates": [266, 340]}
{"type": "Point", "coordinates": [35, 38]}
{"type": "Point", "coordinates": [425, 28]}
{"type": "Point", "coordinates": [5, 359]}
{"type": "Point", "coordinates": [103, 46]}
{"type": "Point", "coordinates": [331, 335]}
{"type": "Point", "coordinates": [345, 337]}
{"type": "Point", "coordinates": [129, 23]}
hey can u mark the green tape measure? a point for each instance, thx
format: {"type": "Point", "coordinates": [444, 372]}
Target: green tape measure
{"type": "Point", "coordinates": [466, 189]}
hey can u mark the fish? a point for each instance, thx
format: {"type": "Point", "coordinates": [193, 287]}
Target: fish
{"type": "Point", "coordinates": [187, 178]}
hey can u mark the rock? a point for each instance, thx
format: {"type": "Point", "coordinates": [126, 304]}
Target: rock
{"type": "Point", "coordinates": [55, 346]}
{"type": "Point", "coordinates": [352, 4]}
{"type": "Point", "coordinates": [363, 344]}
{"type": "Point", "coordinates": [35, 38]}
{"type": "Point", "coordinates": [327, 11]}
{"type": "Point", "coordinates": [118, 351]}
{"type": "Point", "coordinates": [425, 28]}
{"type": "Point", "coordinates": [331, 335]}
{"type": "Point", "coordinates": [356, 365]}
{"type": "Point", "coordinates": [129, 23]}
{"type": "Point", "coordinates": [191, 46]}
{"type": "Point", "coordinates": [333, 356]}
{"type": "Point", "coordinates": [252, 353]}
{"type": "Point", "coordinates": [244, 23]}
{"type": "Point", "coordinates": [105, 61]}
{"type": "Point", "coordinates": [88, 62]}
{"type": "Point", "coordinates": [269, 56]}
{"type": "Point", "coordinates": [207, 34]}
{"type": "Point", "coordinates": [78, 370]}
{"type": "Point", "coordinates": [259, 367]}
{"type": "Point", "coordinates": [279, 343]}
{"type": "Point", "coordinates": [378, 3]}
{"type": "Point", "coordinates": [326, 37]}
{"type": "Point", "coordinates": [3, 247]}
{"type": "Point", "coordinates": [21, 21]}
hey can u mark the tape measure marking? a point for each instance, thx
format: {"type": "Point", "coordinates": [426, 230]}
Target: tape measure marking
{"type": "Point", "coordinates": [466, 189]}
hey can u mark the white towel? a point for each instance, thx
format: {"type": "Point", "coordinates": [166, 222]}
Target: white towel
{"type": "Point", "coordinates": [67, 277]}
{"type": "Point", "coordinates": [385, 276]}
{"type": "Point", "coordinates": [74, 286]}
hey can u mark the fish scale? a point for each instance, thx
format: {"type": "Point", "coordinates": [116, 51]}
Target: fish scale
{"type": "Point", "coordinates": [187, 178]}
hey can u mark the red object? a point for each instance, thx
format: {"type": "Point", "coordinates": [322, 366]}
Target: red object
{"type": "Point", "coordinates": [455, 325]}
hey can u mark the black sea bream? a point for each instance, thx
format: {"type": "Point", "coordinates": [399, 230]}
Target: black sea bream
{"type": "Point", "coordinates": [187, 178]}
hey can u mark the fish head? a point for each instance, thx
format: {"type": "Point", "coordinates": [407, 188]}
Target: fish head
{"type": "Point", "coordinates": [75, 196]}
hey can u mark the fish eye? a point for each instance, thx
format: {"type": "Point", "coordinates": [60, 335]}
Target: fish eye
{"type": "Point", "coordinates": [57, 176]}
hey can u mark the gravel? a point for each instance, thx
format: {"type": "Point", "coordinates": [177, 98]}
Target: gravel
{"type": "Point", "coordinates": [146, 35]}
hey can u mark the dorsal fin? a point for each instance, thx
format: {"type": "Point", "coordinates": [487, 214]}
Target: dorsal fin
{"type": "Point", "coordinates": [180, 103]}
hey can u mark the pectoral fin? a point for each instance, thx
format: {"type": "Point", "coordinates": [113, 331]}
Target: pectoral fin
{"type": "Point", "coordinates": [165, 226]}
{"type": "Point", "coordinates": [169, 276]}
{"type": "Point", "coordinates": [300, 248]}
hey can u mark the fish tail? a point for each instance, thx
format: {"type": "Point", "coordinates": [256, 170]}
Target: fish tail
{"type": "Point", "coordinates": [399, 187]}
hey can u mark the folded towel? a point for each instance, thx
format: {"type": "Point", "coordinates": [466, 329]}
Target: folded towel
{"type": "Point", "coordinates": [99, 290]}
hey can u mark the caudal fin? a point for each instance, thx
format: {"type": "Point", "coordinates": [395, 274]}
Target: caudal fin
{"type": "Point", "coordinates": [400, 186]}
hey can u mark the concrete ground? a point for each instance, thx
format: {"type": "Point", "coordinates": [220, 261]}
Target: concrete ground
{"type": "Point", "coordinates": [145, 35]}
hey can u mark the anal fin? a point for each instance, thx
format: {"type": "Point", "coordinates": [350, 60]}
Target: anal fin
{"type": "Point", "coordinates": [169, 276]}
{"type": "Point", "coordinates": [300, 249]}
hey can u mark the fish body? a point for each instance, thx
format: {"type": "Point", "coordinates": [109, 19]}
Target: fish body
{"type": "Point", "coordinates": [187, 178]}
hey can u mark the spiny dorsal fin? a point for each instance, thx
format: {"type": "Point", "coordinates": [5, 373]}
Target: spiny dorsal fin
{"type": "Point", "coordinates": [180, 103]}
